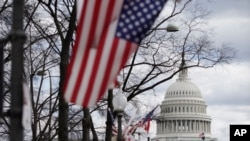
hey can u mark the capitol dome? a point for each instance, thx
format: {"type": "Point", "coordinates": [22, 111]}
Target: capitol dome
{"type": "Point", "coordinates": [183, 88]}
{"type": "Point", "coordinates": [183, 114]}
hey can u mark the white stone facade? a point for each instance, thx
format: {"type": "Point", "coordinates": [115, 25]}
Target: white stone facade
{"type": "Point", "coordinates": [183, 114]}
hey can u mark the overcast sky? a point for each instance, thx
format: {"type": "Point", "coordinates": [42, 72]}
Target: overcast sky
{"type": "Point", "coordinates": [226, 89]}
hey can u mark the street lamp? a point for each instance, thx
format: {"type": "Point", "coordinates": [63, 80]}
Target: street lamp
{"type": "Point", "coordinates": [169, 28]}
{"type": "Point", "coordinates": [119, 103]}
{"type": "Point", "coordinates": [172, 28]}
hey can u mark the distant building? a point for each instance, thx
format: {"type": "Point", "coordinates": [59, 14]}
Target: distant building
{"type": "Point", "coordinates": [183, 114]}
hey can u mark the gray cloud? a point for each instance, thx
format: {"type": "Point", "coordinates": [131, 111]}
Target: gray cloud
{"type": "Point", "coordinates": [226, 85]}
{"type": "Point", "coordinates": [228, 6]}
{"type": "Point", "coordinates": [231, 20]}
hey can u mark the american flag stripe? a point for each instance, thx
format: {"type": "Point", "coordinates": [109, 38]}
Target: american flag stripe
{"type": "Point", "coordinates": [123, 52]}
{"type": "Point", "coordinates": [89, 55]}
{"type": "Point", "coordinates": [92, 65]}
{"type": "Point", "coordinates": [81, 51]}
{"type": "Point", "coordinates": [93, 62]}
{"type": "Point", "coordinates": [98, 71]}
{"type": "Point", "coordinates": [77, 53]}
{"type": "Point", "coordinates": [108, 70]}
{"type": "Point", "coordinates": [102, 61]}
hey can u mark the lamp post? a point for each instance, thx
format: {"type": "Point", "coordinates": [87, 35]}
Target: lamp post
{"type": "Point", "coordinates": [119, 103]}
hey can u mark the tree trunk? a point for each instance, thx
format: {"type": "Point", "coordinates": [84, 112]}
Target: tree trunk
{"type": "Point", "coordinates": [85, 124]}
{"type": "Point", "coordinates": [63, 106]}
{"type": "Point", "coordinates": [109, 119]}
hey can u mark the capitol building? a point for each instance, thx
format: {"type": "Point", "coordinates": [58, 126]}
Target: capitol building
{"type": "Point", "coordinates": [183, 114]}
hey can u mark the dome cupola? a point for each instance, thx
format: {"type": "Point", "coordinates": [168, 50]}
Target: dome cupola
{"type": "Point", "coordinates": [183, 88]}
{"type": "Point", "coordinates": [183, 113]}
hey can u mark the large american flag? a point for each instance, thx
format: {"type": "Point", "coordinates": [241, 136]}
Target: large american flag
{"type": "Point", "coordinates": [108, 32]}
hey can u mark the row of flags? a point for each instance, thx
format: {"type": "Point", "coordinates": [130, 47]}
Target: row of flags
{"type": "Point", "coordinates": [108, 33]}
{"type": "Point", "coordinates": [143, 125]}
{"type": "Point", "coordinates": [130, 129]}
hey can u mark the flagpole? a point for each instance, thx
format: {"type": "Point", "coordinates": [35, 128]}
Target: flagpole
{"type": "Point", "coordinates": [17, 37]}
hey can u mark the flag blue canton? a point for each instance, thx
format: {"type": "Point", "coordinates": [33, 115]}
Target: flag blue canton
{"type": "Point", "coordinates": [149, 115]}
{"type": "Point", "coordinates": [136, 18]}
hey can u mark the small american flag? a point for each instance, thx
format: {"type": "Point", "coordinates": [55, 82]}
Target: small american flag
{"type": "Point", "coordinates": [202, 136]}
{"type": "Point", "coordinates": [147, 119]}
{"type": "Point", "coordinates": [108, 33]}
{"type": "Point", "coordinates": [149, 115]}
